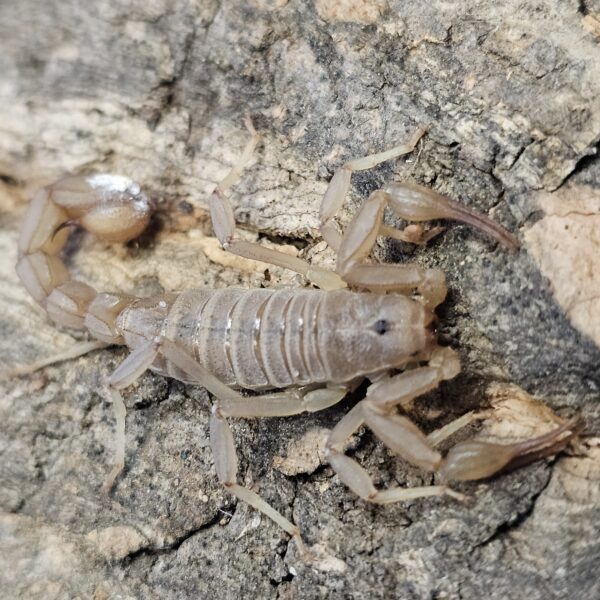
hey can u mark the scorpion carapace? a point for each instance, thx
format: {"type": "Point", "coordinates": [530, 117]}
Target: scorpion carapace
{"type": "Point", "coordinates": [311, 346]}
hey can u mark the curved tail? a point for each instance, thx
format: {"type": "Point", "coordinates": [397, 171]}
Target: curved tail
{"type": "Point", "coordinates": [111, 207]}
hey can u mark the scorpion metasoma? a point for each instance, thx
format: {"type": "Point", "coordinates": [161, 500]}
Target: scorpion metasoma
{"type": "Point", "coordinates": [312, 346]}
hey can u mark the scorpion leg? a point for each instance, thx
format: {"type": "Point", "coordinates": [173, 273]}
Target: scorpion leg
{"type": "Point", "coordinates": [75, 351]}
{"type": "Point", "coordinates": [225, 457]}
{"type": "Point", "coordinates": [283, 404]}
{"type": "Point", "coordinates": [224, 227]}
{"type": "Point", "coordinates": [339, 186]}
{"type": "Point", "coordinates": [124, 375]}
{"type": "Point", "coordinates": [232, 404]}
{"type": "Point", "coordinates": [435, 438]}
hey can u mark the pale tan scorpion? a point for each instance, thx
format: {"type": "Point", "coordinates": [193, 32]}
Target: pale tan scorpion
{"type": "Point", "coordinates": [312, 345]}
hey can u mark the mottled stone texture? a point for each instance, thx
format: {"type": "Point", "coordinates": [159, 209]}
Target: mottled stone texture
{"type": "Point", "coordinates": [157, 90]}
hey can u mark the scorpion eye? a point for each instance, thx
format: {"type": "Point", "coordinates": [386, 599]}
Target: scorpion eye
{"type": "Point", "coordinates": [381, 326]}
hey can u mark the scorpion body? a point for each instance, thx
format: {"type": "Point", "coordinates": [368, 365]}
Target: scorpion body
{"type": "Point", "coordinates": [265, 339]}
{"type": "Point", "coordinates": [311, 346]}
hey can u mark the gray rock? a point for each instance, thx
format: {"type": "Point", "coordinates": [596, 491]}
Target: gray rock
{"type": "Point", "coordinates": [158, 91]}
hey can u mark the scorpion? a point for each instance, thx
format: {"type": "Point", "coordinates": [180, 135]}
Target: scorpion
{"type": "Point", "coordinates": [308, 346]}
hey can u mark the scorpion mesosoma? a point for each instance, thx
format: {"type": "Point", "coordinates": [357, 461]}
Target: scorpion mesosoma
{"type": "Point", "coordinates": [312, 346]}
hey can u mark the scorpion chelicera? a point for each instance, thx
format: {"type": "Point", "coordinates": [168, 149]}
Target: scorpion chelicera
{"type": "Point", "coordinates": [310, 345]}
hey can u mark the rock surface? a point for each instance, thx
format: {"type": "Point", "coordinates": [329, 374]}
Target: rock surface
{"type": "Point", "coordinates": [158, 91]}
{"type": "Point", "coordinates": [565, 244]}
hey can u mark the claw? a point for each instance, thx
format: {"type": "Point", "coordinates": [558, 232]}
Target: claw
{"type": "Point", "coordinates": [417, 203]}
{"type": "Point", "coordinates": [478, 460]}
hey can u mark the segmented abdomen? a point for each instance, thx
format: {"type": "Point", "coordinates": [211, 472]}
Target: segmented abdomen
{"type": "Point", "coordinates": [254, 339]}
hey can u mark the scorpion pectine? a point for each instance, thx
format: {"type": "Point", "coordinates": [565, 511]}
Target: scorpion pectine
{"type": "Point", "coordinates": [311, 346]}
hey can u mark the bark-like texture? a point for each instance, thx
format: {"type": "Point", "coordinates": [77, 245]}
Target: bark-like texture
{"type": "Point", "coordinates": [158, 90]}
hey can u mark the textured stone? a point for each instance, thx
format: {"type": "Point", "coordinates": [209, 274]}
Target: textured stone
{"type": "Point", "coordinates": [566, 246]}
{"type": "Point", "coordinates": [157, 90]}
